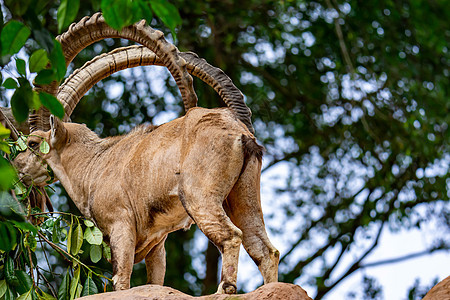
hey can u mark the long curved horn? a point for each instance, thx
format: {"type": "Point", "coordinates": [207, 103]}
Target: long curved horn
{"type": "Point", "coordinates": [82, 79]}
{"type": "Point", "coordinates": [92, 29]}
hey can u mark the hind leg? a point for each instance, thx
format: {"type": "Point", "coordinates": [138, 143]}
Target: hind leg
{"type": "Point", "coordinates": [243, 205]}
{"type": "Point", "coordinates": [203, 197]}
{"type": "Point", "coordinates": [212, 220]}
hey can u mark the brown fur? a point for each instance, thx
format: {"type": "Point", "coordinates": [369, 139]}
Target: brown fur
{"type": "Point", "coordinates": [141, 186]}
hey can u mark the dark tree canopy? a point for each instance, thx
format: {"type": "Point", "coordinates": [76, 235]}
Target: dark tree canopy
{"type": "Point", "coordinates": [350, 99]}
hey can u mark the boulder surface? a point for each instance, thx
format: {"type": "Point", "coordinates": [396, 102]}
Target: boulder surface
{"type": "Point", "coordinates": [276, 290]}
{"type": "Point", "coordinates": [440, 291]}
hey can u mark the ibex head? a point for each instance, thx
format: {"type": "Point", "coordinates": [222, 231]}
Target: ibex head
{"type": "Point", "coordinates": [32, 164]}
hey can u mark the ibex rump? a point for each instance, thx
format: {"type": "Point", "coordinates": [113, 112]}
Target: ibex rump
{"type": "Point", "coordinates": [203, 167]}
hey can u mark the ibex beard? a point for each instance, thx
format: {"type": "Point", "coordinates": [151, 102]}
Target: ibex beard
{"type": "Point", "coordinates": [204, 167]}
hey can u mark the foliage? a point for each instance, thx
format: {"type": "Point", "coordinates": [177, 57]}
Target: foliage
{"type": "Point", "coordinates": [78, 242]}
{"type": "Point", "coordinates": [15, 34]}
{"type": "Point", "coordinates": [349, 98]}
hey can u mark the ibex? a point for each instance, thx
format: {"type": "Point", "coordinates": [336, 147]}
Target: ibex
{"type": "Point", "coordinates": [202, 168]}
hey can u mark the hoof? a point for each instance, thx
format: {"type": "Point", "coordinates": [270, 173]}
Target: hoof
{"type": "Point", "coordinates": [226, 288]}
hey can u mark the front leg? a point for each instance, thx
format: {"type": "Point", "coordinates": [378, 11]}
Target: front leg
{"type": "Point", "coordinates": [155, 263]}
{"type": "Point", "coordinates": [123, 244]}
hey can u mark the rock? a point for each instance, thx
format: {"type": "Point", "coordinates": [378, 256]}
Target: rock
{"type": "Point", "coordinates": [440, 291]}
{"type": "Point", "coordinates": [276, 290]}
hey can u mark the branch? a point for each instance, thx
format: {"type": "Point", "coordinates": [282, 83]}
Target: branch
{"type": "Point", "coordinates": [53, 212]}
{"type": "Point", "coordinates": [340, 36]}
{"type": "Point", "coordinates": [356, 265]}
{"type": "Point", "coordinates": [51, 271]}
{"type": "Point", "coordinates": [280, 159]}
{"type": "Point", "coordinates": [61, 251]}
{"type": "Point", "coordinates": [402, 258]}
{"type": "Point", "coordinates": [58, 249]}
{"type": "Point", "coordinates": [275, 82]}
{"type": "Point", "coordinates": [338, 259]}
{"type": "Point", "coordinates": [49, 286]}
{"type": "Point", "coordinates": [9, 125]}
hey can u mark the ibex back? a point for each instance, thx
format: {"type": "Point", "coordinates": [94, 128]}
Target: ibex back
{"type": "Point", "coordinates": [203, 168]}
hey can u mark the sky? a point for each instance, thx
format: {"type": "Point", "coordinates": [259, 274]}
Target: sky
{"type": "Point", "coordinates": [395, 278]}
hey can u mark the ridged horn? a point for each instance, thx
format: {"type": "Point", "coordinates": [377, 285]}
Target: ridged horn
{"type": "Point", "coordinates": [92, 29]}
{"type": "Point", "coordinates": [82, 79]}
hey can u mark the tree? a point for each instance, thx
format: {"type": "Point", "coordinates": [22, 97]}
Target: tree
{"type": "Point", "coordinates": [353, 98]}
{"type": "Point", "coordinates": [349, 98]}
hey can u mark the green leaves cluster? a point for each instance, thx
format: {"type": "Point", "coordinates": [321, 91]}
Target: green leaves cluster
{"type": "Point", "coordinates": [121, 13]}
{"type": "Point", "coordinates": [49, 62]}
{"type": "Point", "coordinates": [80, 279]}
{"type": "Point", "coordinates": [18, 243]}
{"type": "Point", "coordinates": [17, 250]}
{"type": "Point", "coordinates": [24, 97]}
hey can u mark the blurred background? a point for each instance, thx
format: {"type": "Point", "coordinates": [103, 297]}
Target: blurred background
{"type": "Point", "coordinates": [350, 100]}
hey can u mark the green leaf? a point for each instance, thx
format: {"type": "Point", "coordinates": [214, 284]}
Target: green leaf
{"type": "Point", "coordinates": [9, 207]}
{"type": "Point", "coordinates": [106, 251]}
{"type": "Point", "coordinates": [27, 227]}
{"type": "Point", "coordinates": [35, 102]}
{"type": "Point", "coordinates": [58, 60]}
{"type": "Point", "coordinates": [38, 61]}
{"type": "Point", "coordinates": [22, 143]}
{"type": "Point", "coordinates": [89, 287]}
{"type": "Point", "coordinates": [18, 8]}
{"type": "Point", "coordinates": [44, 147]}
{"type": "Point", "coordinates": [10, 275]}
{"type": "Point", "coordinates": [79, 289]}
{"type": "Point", "coordinates": [7, 237]}
{"type": "Point", "coordinates": [4, 132]}
{"type": "Point", "coordinates": [21, 67]}
{"type": "Point", "coordinates": [25, 281]}
{"type": "Point", "coordinates": [10, 294]}
{"type": "Point", "coordinates": [74, 283]}
{"type": "Point", "coordinates": [52, 104]}
{"type": "Point", "coordinates": [95, 253]}
{"type": "Point", "coordinates": [7, 175]}
{"type": "Point", "coordinates": [19, 103]}
{"type": "Point", "coordinates": [67, 12]}
{"type": "Point", "coordinates": [13, 37]}
{"type": "Point", "coordinates": [26, 296]}
{"type": "Point", "coordinates": [167, 12]}
{"type": "Point", "coordinates": [10, 83]}
{"type": "Point", "coordinates": [77, 240]}
{"type": "Point", "coordinates": [44, 38]}
{"type": "Point", "coordinates": [3, 287]}
{"type": "Point", "coordinates": [56, 232]}
{"type": "Point", "coordinates": [45, 296]}
{"type": "Point", "coordinates": [93, 236]}
{"type": "Point", "coordinates": [63, 291]}
{"type": "Point", "coordinates": [19, 188]}
{"type": "Point", "coordinates": [69, 235]}
{"type": "Point", "coordinates": [30, 242]}
{"type": "Point", "coordinates": [146, 12]}
{"type": "Point", "coordinates": [4, 146]}
{"type": "Point", "coordinates": [120, 13]}
{"type": "Point", "coordinates": [45, 76]}
{"type": "Point", "coordinates": [88, 223]}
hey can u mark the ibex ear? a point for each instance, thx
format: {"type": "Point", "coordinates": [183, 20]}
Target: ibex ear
{"type": "Point", "coordinates": [58, 133]}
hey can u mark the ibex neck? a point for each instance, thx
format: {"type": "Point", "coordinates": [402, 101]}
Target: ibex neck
{"type": "Point", "coordinates": [73, 167]}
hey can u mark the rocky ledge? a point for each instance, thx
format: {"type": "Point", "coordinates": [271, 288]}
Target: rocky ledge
{"type": "Point", "coordinates": [276, 290]}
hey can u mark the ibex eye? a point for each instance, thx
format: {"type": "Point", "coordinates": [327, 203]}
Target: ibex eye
{"type": "Point", "coordinates": [32, 144]}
